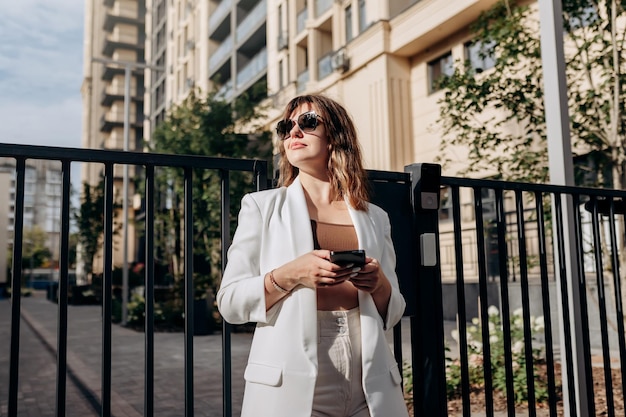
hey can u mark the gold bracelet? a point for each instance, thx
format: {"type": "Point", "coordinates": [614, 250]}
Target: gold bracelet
{"type": "Point", "coordinates": [275, 284]}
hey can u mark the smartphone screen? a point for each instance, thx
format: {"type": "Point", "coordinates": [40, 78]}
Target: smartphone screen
{"type": "Point", "coordinates": [355, 257]}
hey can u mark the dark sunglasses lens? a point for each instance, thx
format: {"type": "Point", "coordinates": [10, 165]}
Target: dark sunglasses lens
{"type": "Point", "coordinates": [284, 127]}
{"type": "Point", "coordinates": [307, 121]}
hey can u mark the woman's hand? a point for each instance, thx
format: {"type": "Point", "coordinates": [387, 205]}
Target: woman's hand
{"type": "Point", "coordinates": [313, 270]}
{"type": "Point", "coordinates": [370, 278]}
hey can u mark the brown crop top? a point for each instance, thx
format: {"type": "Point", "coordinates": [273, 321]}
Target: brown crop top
{"type": "Point", "coordinates": [334, 236]}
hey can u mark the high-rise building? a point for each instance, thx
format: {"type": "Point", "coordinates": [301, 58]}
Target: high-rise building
{"type": "Point", "coordinates": [210, 45]}
{"type": "Point", "coordinates": [42, 201]}
{"type": "Point", "coordinates": [114, 67]}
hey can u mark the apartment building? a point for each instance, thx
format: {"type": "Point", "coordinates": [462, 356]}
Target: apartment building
{"type": "Point", "coordinates": [208, 45]}
{"type": "Point", "coordinates": [113, 92]}
{"type": "Point", "coordinates": [42, 201]}
{"type": "Point", "coordinates": [379, 58]}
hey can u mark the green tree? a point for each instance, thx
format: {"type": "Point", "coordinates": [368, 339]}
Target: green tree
{"type": "Point", "coordinates": [498, 115]}
{"type": "Point", "coordinates": [35, 250]}
{"type": "Point", "coordinates": [212, 127]}
{"type": "Point", "coordinates": [89, 220]}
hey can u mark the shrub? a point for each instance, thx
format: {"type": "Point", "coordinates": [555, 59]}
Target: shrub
{"type": "Point", "coordinates": [497, 358]}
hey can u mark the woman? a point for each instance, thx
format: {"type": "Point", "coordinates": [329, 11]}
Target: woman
{"type": "Point", "coordinates": [319, 348]}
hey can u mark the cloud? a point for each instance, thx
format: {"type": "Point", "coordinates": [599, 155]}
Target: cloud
{"type": "Point", "coordinates": [42, 124]}
{"type": "Point", "coordinates": [41, 72]}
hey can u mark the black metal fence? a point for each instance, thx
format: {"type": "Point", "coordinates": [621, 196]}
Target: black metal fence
{"type": "Point", "coordinates": [498, 273]}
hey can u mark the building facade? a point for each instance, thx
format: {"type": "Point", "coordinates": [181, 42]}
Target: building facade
{"type": "Point", "coordinates": [42, 202]}
{"type": "Point", "coordinates": [113, 95]}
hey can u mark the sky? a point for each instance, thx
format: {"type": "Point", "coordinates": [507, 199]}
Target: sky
{"type": "Point", "coordinates": [41, 52]}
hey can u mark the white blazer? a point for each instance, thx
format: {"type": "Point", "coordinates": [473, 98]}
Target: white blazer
{"type": "Point", "coordinates": [274, 228]}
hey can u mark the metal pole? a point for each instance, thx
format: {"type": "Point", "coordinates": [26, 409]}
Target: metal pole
{"type": "Point", "coordinates": [562, 173]}
{"type": "Point", "coordinates": [127, 75]}
{"type": "Point", "coordinates": [128, 65]}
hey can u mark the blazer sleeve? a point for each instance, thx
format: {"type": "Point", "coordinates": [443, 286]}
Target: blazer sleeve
{"type": "Point", "coordinates": [241, 297]}
{"type": "Point", "coordinates": [397, 304]}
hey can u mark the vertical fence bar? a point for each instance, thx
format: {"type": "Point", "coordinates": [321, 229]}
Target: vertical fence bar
{"type": "Point", "coordinates": [227, 368]}
{"type": "Point", "coordinates": [545, 298]}
{"type": "Point", "coordinates": [528, 343]}
{"type": "Point", "coordinates": [604, 331]}
{"type": "Point", "coordinates": [584, 314]}
{"type": "Point", "coordinates": [565, 304]}
{"type": "Point", "coordinates": [484, 300]}
{"type": "Point", "coordinates": [149, 283]}
{"type": "Point", "coordinates": [63, 283]}
{"type": "Point", "coordinates": [617, 288]}
{"type": "Point", "coordinates": [460, 299]}
{"type": "Point", "coordinates": [504, 296]}
{"type": "Point", "coordinates": [16, 285]}
{"type": "Point", "coordinates": [107, 286]}
{"type": "Point", "coordinates": [189, 292]}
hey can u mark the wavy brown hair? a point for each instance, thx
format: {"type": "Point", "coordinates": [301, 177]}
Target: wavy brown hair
{"type": "Point", "coordinates": [345, 166]}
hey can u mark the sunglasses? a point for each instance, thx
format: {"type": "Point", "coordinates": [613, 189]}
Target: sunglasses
{"type": "Point", "coordinates": [307, 122]}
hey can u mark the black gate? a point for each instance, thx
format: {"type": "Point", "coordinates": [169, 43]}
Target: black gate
{"type": "Point", "coordinates": [485, 267]}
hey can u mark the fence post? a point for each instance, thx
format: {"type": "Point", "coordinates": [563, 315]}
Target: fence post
{"type": "Point", "coordinates": [427, 336]}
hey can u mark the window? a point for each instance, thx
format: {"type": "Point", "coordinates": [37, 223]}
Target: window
{"type": "Point", "coordinates": [349, 24]}
{"type": "Point", "coordinates": [480, 55]}
{"type": "Point", "coordinates": [585, 17]}
{"type": "Point", "coordinates": [438, 69]}
{"type": "Point", "coordinates": [281, 73]}
{"type": "Point", "coordinates": [362, 16]}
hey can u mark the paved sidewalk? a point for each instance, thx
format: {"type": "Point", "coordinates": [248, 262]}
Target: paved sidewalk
{"type": "Point", "coordinates": [37, 370]}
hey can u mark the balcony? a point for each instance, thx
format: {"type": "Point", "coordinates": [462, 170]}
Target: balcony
{"type": "Point", "coordinates": [303, 79]}
{"type": "Point", "coordinates": [301, 19]}
{"type": "Point", "coordinates": [221, 53]}
{"type": "Point", "coordinates": [324, 66]}
{"type": "Point", "coordinates": [322, 6]}
{"type": "Point", "coordinates": [220, 12]}
{"type": "Point", "coordinates": [122, 13]}
{"type": "Point", "coordinates": [123, 41]}
{"type": "Point", "coordinates": [252, 20]}
{"type": "Point", "coordinates": [226, 92]}
{"type": "Point", "coordinates": [257, 66]}
{"type": "Point", "coordinates": [112, 119]}
{"type": "Point", "coordinates": [116, 93]}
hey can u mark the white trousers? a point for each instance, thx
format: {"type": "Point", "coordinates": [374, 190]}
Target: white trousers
{"type": "Point", "coordinates": [339, 386]}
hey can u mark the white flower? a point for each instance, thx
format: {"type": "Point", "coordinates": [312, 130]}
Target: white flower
{"type": "Point", "coordinates": [518, 312]}
{"type": "Point", "coordinates": [493, 339]}
{"type": "Point", "coordinates": [493, 311]}
{"type": "Point", "coordinates": [455, 335]}
{"type": "Point", "coordinates": [517, 347]}
{"type": "Point", "coordinates": [539, 324]}
{"type": "Point", "coordinates": [475, 321]}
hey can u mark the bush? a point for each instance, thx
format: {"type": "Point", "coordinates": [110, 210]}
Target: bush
{"type": "Point", "coordinates": [498, 369]}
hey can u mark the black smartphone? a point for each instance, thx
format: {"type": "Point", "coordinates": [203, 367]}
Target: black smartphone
{"type": "Point", "coordinates": [355, 257]}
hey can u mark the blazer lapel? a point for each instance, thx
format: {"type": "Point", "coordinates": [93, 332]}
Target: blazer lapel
{"type": "Point", "coordinates": [299, 220]}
